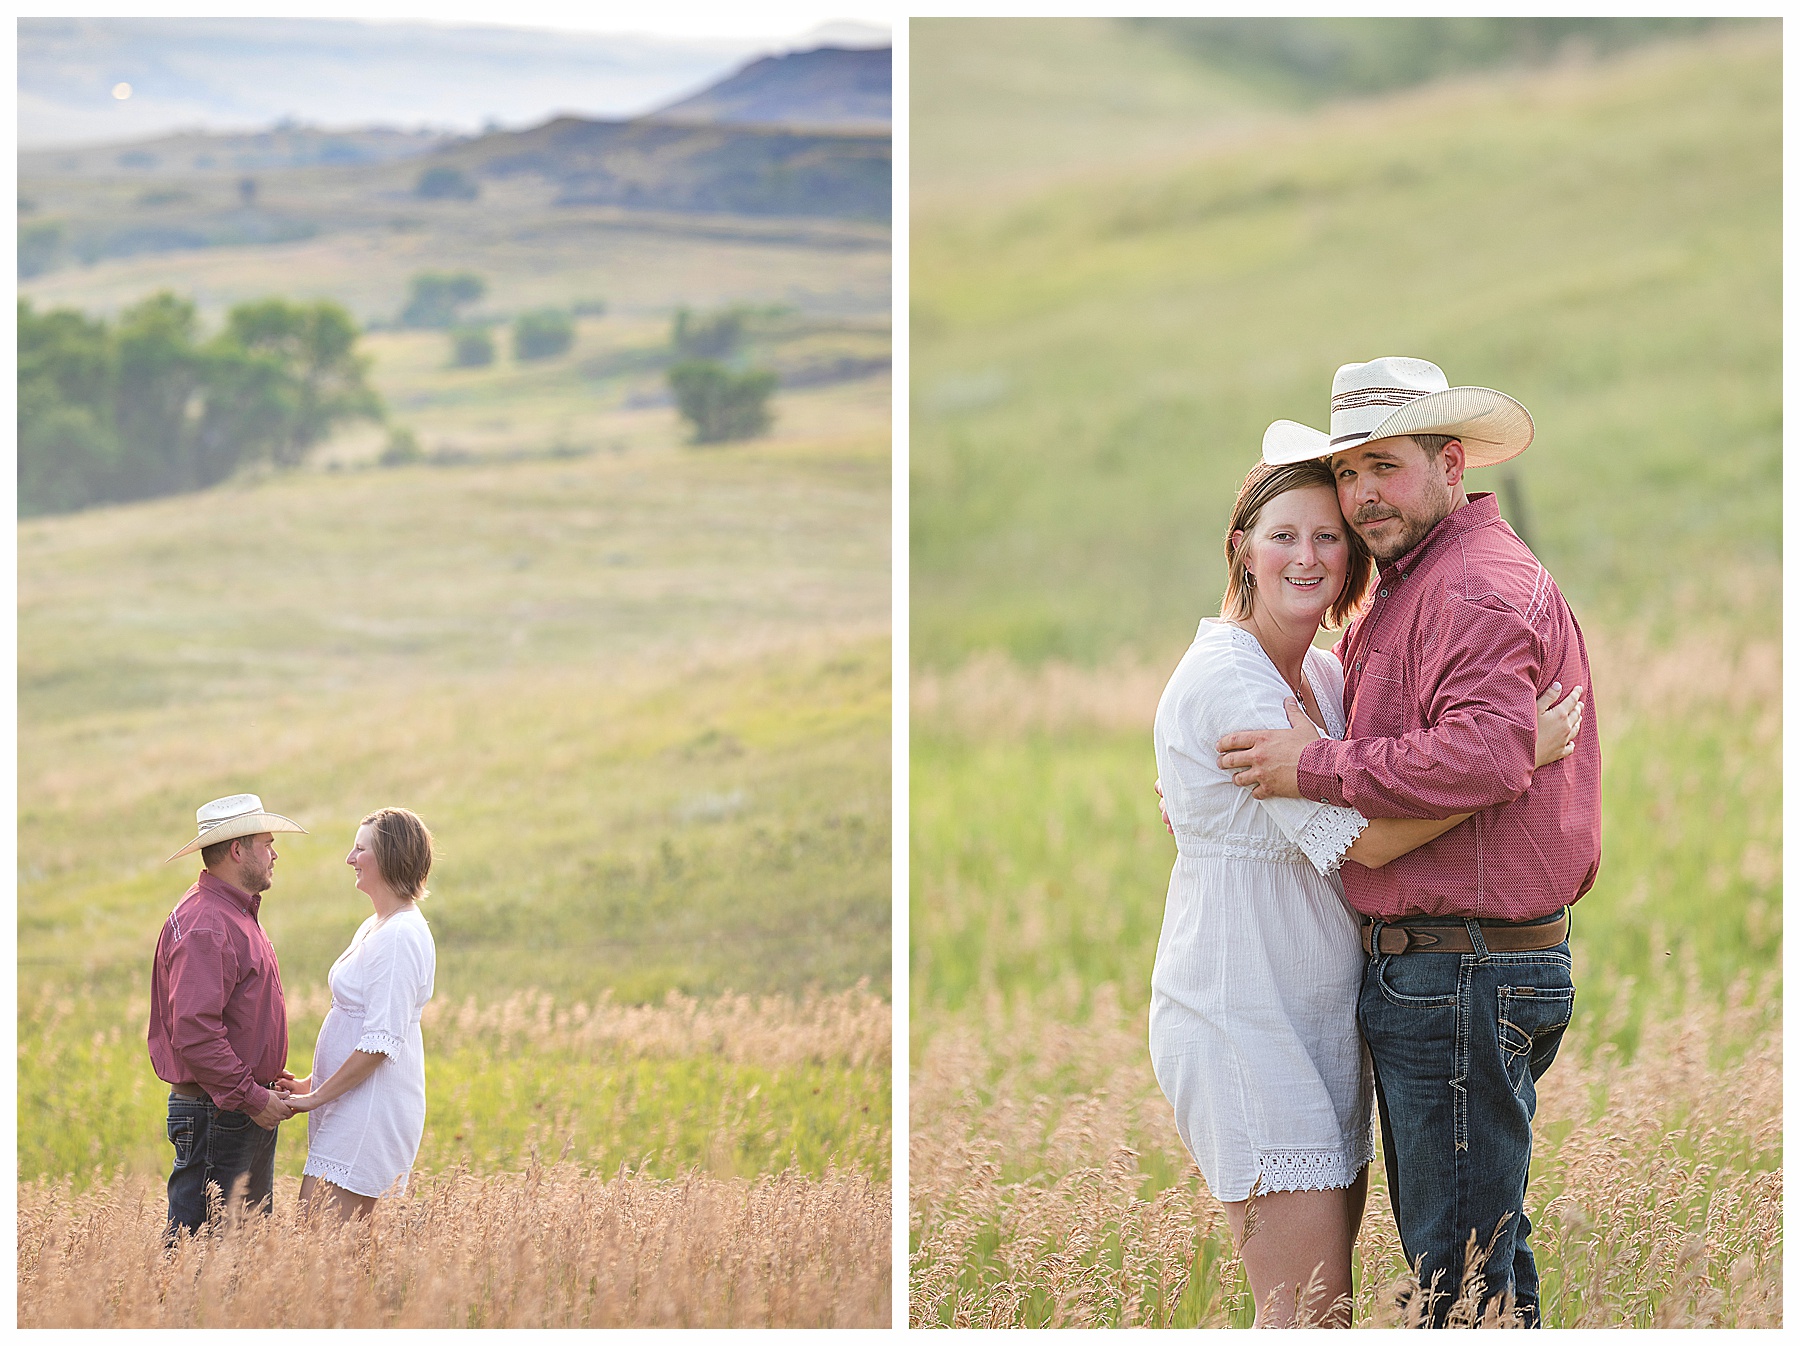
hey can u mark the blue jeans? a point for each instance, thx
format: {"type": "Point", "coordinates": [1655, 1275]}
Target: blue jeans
{"type": "Point", "coordinates": [223, 1149]}
{"type": "Point", "coordinates": [1459, 1042]}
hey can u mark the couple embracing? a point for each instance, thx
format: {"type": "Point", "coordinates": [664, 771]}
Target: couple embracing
{"type": "Point", "coordinates": [1377, 848]}
{"type": "Point", "coordinates": [218, 1024]}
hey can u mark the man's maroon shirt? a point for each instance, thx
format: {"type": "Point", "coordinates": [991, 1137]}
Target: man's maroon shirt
{"type": "Point", "coordinates": [217, 1015]}
{"type": "Point", "coordinates": [1441, 677]}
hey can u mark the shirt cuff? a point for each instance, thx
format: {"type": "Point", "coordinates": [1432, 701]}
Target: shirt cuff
{"type": "Point", "coordinates": [255, 1100]}
{"type": "Point", "coordinates": [1318, 773]}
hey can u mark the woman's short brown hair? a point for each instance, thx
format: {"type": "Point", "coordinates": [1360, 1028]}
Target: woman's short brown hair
{"type": "Point", "coordinates": [1263, 483]}
{"type": "Point", "coordinates": [402, 846]}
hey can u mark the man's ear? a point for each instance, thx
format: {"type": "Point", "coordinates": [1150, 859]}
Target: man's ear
{"type": "Point", "coordinates": [1454, 460]}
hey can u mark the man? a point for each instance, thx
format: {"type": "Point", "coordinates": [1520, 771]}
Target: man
{"type": "Point", "coordinates": [1467, 990]}
{"type": "Point", "coordinates": [218, 1022]}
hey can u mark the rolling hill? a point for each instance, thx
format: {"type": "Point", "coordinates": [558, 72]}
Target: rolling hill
{"type": "Point", "coordinates": [1094, 362]}
{"type": "Point", "coordinates": [828, 86]}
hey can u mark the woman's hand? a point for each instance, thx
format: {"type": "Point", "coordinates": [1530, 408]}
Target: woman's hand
{"type": "Point", "coordinates": [1558, 723]}
{"type": "Point", "coordinates": [303, 1102]}
{"type": "Point", "coordinates": [287, 1085]}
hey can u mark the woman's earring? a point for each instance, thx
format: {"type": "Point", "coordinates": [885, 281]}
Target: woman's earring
{"type": "Point", "coordinates": [1249, 579]}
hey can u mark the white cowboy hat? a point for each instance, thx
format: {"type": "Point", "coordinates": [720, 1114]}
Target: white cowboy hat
{"type": "Point", "coordinates": [232, 817]}
{"type": "Point", "coordinates": [1398, 395]}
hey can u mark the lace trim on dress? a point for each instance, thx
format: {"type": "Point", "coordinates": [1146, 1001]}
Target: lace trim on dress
{"type": "Point", "coordinates": [1310, 1170]}
{"type": "Point", "coordinates": [380, 1040]}
{"type": "Point", "coordinates": [1328, 834]}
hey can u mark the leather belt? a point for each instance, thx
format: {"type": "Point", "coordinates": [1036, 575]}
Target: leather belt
{"type": "Point", "coordinates": [195, 1091]}
{"type": "Point", "coordinates": [1499, 936]}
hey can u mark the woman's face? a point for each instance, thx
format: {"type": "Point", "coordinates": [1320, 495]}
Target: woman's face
{"type": "Point", "coordinates": [1299, 553]}
{"type": "Point", "coordinates": [362, 860]}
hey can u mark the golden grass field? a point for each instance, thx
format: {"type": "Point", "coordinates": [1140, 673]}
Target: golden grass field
{"type": "Point", "coordinates": [552, 1246]}
{"type": "Point", "coordinates": [1656, 1182]}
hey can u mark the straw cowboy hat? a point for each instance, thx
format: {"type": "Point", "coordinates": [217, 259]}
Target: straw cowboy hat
{"type": "Point", "coordinates": [232, 817]}
{"type": "Point", "coordinates": [1398, 395]}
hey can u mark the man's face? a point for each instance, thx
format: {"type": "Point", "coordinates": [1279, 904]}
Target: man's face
{"type": "Point", "coordinates": [256, 862]}
{"type": "Point", "coordinates": [1393, 493]}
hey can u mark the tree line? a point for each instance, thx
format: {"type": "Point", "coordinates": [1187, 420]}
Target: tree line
{"type": "Point", "coordinates": [146, 406]}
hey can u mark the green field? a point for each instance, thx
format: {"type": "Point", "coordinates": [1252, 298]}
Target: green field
{"type": "Point", "coordinates": [1094, 362]}
{"type": "Point", "coordinates": [640, 691]}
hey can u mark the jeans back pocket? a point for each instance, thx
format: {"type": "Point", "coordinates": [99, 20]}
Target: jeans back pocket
{"type": "Point", "coordinates": [1531, 1020]}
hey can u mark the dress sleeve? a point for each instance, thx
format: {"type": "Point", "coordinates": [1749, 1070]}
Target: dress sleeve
{"type": "Point", "coordinates": [395, 976]}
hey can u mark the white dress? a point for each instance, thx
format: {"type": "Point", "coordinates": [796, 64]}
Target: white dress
{"type": "Point", "coordinates": [365, 1140]}
{"type": "Point", "coordinates": [1253, 1000]}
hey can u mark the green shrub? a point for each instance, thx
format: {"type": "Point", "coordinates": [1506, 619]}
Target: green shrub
{"type": "Point", "coordinates": [707, 338]}
{"type": "Point", "coordinates": [435, 296]}
{"type": "Point", "coordinates": [402, 448]}
{"type": "Point", "coordinates": [471, 347]}
{"type": "Point", "coordinates": [722, 405]}
{"type": "Point", "coordinates": [541, 333]}
{"type": "Point", "coordinates": [444, 183]}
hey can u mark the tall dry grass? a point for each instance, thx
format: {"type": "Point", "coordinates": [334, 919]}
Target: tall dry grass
{"type": "Point", "coordinates": [1049, 1186]}
{"type": "Point", "coordinates": [550, 1247]}
{"type": "Point", "coordinates": [990, 695]}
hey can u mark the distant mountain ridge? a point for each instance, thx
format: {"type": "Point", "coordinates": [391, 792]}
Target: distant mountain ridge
{"type": "Point", "coordinates": [652, 164]}
{"type": "Point", "coordinates": [827, 86]}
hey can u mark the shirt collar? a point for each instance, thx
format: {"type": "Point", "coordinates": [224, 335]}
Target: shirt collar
{"type": "Point", "coordinates": [249, 903]}
{"type": "Point", "coordinates": [1483, 509]}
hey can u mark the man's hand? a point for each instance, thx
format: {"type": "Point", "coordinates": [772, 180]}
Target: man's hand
{"type": "Point", "coordinates": [275, 1112]}
{"type": "Point", "coordinates": [1267, 761]}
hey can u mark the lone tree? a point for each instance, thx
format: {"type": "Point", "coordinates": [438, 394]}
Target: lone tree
{"type": "Point", "coordinates": [444, 183]}
{"type": "Point", "coordinates": [542, 333]}
{"type": "Point", "coordinates": [436, 296]}
{"type": "Point", "coordinates": [719, 404]}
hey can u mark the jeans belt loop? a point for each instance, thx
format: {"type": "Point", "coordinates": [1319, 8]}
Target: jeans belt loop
{"type": "Point", "coordinates": [1376, 926]}
{"type": "Point", "coordinates": [1481, 948]}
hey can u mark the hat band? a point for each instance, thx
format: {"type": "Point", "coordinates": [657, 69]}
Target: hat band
{"type": "Point", "coordinates": [1377, 397]}
{"type": "Point", "coordinates": [1347, 439]}
{"type": "Point", "coordinates": [220, 822]}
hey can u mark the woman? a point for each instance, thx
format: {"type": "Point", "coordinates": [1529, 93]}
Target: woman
{"type": "Point", "coordinates": [368, 1115]}
{"type": "Point", "coordinates": [1253, 999]}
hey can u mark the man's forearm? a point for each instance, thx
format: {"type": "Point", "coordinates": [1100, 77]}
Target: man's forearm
{"type": "Point", "coordinates": [1433, 773]}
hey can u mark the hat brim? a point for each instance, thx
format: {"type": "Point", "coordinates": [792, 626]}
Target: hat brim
{"type": "Point", "coordinates": [1287, 442]}
{"type": "Point", "coordinates": [250, 825]}
{"type": "Point", "coordinates": [1491, 426]}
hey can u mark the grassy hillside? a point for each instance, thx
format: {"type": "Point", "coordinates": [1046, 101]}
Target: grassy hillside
{"type": "Point", "coordinates": [321, 233]}
{"type": "Point", "coordinates": [1002, 105]}
{"type": "Point", "coordinates": [1093, 367]}
{"type": "Point", "coordinates": [641, 694]}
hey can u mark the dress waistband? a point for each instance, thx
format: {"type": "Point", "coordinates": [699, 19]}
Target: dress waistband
{"type": "Point", "coordinates": [1266, 852]}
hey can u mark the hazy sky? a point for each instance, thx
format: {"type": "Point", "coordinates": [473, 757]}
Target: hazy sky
{"type": "Point", "coordinates": [130, 77]}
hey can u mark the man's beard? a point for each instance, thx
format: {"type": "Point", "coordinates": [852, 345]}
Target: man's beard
{"type": "Point", "coordinates": [258, 880]}
{"type": "Point", "coordinates": [1412, 530]}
